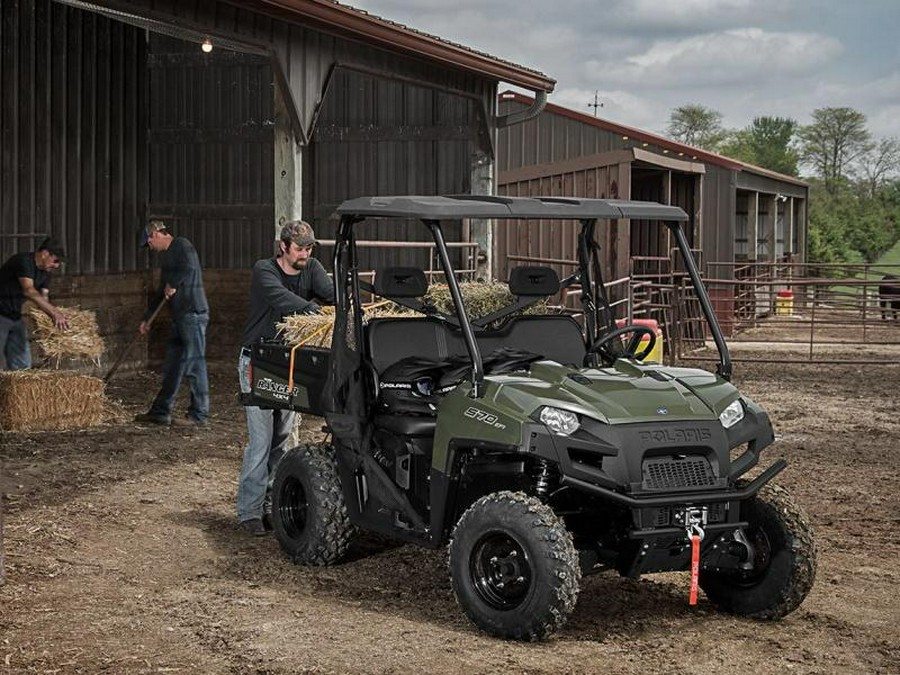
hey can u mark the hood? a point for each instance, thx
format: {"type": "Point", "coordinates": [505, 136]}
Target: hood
{"type": "Point", "coordinates": [624, 393]}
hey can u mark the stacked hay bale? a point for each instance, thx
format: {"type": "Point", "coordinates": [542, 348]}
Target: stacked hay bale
{"type": "Point", "coordinates": [81, 341]}
{"type": "Point", "coordinates": [54, 400]}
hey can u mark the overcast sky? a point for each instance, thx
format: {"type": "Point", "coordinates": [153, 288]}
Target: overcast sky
{"type": "Point", "coordinates": [744, 58]}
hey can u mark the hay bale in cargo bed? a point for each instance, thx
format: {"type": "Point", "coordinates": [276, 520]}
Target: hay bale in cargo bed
{"type": "Point", "coordinates": [49, 400]}
{"type": "Point", "coordinates": [479, 298]}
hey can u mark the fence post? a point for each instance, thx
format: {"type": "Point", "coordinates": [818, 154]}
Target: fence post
{"type": "Point", "coordinates": [812, 329]}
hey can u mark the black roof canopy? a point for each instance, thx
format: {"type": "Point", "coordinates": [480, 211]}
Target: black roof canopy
{"type": "Point", "coordinates": [477, 206]}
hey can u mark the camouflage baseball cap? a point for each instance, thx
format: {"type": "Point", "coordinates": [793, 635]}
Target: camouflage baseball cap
{"type": "Point", "coordinates": [298, 231]}
{"type": "Point", "coordinates": [154, 225]}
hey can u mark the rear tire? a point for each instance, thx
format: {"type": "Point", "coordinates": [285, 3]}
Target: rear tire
{"type": "Point", "coordinates": [514, 568]}
{"type": "Point", "coordinates": [785, 564]}
{"type": "Point", "coordinates": [309, 515]}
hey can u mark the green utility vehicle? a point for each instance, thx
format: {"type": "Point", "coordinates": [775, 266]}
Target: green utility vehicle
{"type": "Point", "coordinates": [541, 448]}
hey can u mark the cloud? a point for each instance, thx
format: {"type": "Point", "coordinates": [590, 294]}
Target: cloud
{"type": "Point", "coordinates": [744, 58]}
{"type": "Point", "coordinates": [738, 57]}
{"type": "Point", "coordinates": [698, 15]}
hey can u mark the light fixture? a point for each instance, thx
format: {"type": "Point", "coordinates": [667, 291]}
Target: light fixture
{"type": "Point", "coordinates": [206, 46]}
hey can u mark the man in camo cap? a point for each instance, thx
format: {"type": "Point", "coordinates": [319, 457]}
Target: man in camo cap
{"type": "Point", "coordinates": [289, 283]}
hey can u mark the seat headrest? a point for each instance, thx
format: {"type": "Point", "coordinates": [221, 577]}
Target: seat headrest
{"type": "Point", "coordinates": [533, 281]}
{"type": "Point", "coordinates": [400, 282]}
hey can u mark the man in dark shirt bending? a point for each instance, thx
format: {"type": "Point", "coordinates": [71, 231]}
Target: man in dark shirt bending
{"type": "Point", "coordinates": [26, 276]}
{"type": "Point", "coordinates": [181, 284]}
{"type": "Point", "coordinates": [283, 285]}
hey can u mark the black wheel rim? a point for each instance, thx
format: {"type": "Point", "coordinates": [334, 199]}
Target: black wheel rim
{"type": "Point", "coordinates": [501, 571]}
{"type": "Point", "coordinates": [293, 507]}
{"type": "Point", "coordinates": [762, 558]}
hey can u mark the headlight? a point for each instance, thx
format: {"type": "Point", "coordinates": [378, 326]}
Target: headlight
{"type": "Point", "coordinates": [560, 422]}
{"type": "Point", "coordinates": [733, 414]}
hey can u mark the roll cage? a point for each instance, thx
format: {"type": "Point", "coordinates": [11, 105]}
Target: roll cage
{"type": "Point", "coordinates": [431, 210]}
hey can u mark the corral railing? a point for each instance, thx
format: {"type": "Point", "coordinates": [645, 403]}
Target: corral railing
{"type": "Point", "coordinates": [828, 320]}
{"type": "Point", "coordinates": [771, 308]}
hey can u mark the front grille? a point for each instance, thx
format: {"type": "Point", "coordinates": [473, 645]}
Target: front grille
{"type": "Point", "coordinates": [662, 473]}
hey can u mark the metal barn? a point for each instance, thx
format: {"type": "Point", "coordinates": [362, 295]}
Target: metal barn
{"type": "Point", "coordinates": [739, 212]}
{"type": "Point", "coordinates": [111, 113]}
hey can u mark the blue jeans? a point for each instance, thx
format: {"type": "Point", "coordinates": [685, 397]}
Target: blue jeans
{"type": "Point", "coordinates": [14, 344]}
{"type": "Point", "coordinates": [185, 357]}
{"type": "Point", "coordinates": [269, 431]}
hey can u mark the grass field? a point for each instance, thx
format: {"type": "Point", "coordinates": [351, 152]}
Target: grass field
{"type": "Point", "coordinates": [892, 258]}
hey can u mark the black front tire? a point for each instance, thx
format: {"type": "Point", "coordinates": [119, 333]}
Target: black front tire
{"type": "Point", "coordinates": [514, 568]}
{"type": "Point", "coordinates": [309, 515]}
{"type": "Point", "coordinates": [785, 560]}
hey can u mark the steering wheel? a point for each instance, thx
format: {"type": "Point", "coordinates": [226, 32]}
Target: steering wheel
{"type": "Point", "coordinates": [601, 344]}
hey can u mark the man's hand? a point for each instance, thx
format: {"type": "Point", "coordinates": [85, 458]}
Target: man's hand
{"type": "Point", "coordinates": [312, 308]}
{"type": "Point", "coordinates": [168, 291]}
{"type": "Point", "coordinates": [60, 320]}
{"type": "Point", "coordinates": [144, 328]}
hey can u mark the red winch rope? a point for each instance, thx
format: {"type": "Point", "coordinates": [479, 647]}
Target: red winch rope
{"type": "Point", "coordinates": [695, 567]}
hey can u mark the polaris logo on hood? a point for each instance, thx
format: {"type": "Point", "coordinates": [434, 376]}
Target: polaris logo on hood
{"type": "Point", "coordinates": [682, 435]}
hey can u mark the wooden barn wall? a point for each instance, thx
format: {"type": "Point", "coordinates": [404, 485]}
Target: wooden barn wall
{"type": "Point", "coordinates": [717, 226]}
{"type": "Point", "coordinates": [381, 136]}
{"type": "Point", "coordinates": [548, 138]}
{"type": "Point", "coordinates": [211, 147]}
{"type": "Point", "coordinates": [72, 134]}
{"type": "Point", "coordinates": [553, 138]}
{"type": "Point", "coordinates": [557, 240]}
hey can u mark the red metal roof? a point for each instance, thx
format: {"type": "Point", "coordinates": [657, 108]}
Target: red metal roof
{"type": "Point", "coordinates": [648, 137]}
{"type": "Point", "coordinates": [358, 23]}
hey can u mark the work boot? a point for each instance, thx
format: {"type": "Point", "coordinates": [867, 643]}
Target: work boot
{"type": "Point", "coordinates": [152, 418]}
{"type": "Point", "coordinates": [254, 526]}
{"type": "Point", "coordinates": [190, 423]}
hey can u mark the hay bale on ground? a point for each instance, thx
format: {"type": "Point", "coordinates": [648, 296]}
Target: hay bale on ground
{"type": "Point", "coordinates": [49, 400]}
{"type": "Point", "coordinates": [81, 341]}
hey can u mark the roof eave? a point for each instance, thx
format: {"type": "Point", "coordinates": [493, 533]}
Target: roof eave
{"type": "Point", "coordinates": [633, 133]}
{"type": "Point", "coordinates": [354, 22]}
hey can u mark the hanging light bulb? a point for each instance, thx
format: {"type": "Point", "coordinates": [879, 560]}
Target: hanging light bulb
{"type": "Point", "coordinates": [207, 46]}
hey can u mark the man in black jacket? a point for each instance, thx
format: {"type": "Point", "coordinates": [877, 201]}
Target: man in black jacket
{"type": "Point", "coordinates": [181, 284]}
{"type": "Point", "coordinates": [286, 284]}
{"type": "Point", "coordinates": [26, 276]}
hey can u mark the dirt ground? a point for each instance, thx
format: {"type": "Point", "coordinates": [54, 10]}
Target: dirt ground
{"type": "Point", "coordinates": [123, 556]}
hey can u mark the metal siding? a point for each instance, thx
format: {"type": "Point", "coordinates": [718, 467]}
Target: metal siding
{"type": "Point", "coordinates": [212, 149]}
{"type": "Point", "coordinates": [71, 131]}
{"type": "Point", "coordinates": [552, 138]}
{"type": "Point", "coordinates": [377, 135]}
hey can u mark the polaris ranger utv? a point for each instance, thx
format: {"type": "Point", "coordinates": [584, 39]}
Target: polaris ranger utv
{"type": "Point", "coordinates": [540, 447]}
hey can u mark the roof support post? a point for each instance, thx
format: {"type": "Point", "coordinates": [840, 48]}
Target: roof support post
{"type": "Point", "coordinates": [752, 226]}
{"type": "Point", "coordinates": [288, 164]}
{"type": "Point", "coordinates": [480, 232]}
{"type": "Point", "coordinates": [789, 230]}
{"type": "Point", "coordinates": [772, 230]}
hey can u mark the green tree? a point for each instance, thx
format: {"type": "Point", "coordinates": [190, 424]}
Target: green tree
{"type": "Point", "coordinates": [836, 138]}
{"type": "Point", "coordinates": [696, 125]}
{"type": "Point", "coordinates": [766, 142]}
{"type": "Point", "coordinates": [877, 164]}
{"type": "Point", "coordinates": [849, 224]}
{"type": "Point", "coordinates": [828, 240]}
